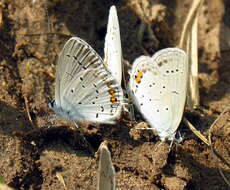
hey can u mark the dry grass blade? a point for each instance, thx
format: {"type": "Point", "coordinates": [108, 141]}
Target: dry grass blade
{"type": "Point", "coordinates": [193, 97]}
{"type": "Point", "coordinates": [195, 131]}
{"type": "Point", "coordinates": [189, 22]}
{"type": "Point", "coordinates": [1, 17]}
{"type": "Point", "coordinates": [188, 42]}
{"type": "Point", "coordinates": [47, 33]}
{"type": "Point", "coordinates": [61, 179]}
{"type": "Point", "coordinates": [5, 187]}
{"type": "Point", "coordinates": [28, 110]}
{"type": "Point", "coordinates": [106, 178]}
{"type": "Point", "coordinates": [218, 157]}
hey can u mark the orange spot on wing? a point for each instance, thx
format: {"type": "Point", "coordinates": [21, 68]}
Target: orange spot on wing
{"type": "Point", "coordinates": [112, 92]}
{"type": "Point", "coordinates": [139, 76]}
{"type": "Point", "coordinates": [113, 100]}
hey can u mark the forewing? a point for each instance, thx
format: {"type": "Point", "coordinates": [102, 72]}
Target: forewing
{"type": "Point", "coordinates": [75, 57]}
{"type": "Point", "coordinates": [112, 49]}
{"type": "Point", "coordinates": [159, 87]}
{"type": "Point", "coordinates": [88, 91]}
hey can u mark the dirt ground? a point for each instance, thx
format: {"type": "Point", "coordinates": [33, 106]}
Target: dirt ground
{"type": "Point", "coordinates": [35, 150]}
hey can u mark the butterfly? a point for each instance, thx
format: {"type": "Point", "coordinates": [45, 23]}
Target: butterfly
{"type": "Point", "coordinates": [158, 86]}
{"type": "Point", "coordinates": [85, 90]}
{"type": "Point", "coordinates": [112, 48]}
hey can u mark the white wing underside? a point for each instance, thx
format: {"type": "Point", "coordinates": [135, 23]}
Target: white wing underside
{"type": "Point", "coordinates": [85, 90]}
{"type": "Point", "coordinates": [161, 94]}
{"type": "Point", "coordinates": [112, 49]}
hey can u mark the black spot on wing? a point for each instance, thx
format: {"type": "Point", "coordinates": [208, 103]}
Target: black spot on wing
{"type": "Point", "coordinates": [175, 92]}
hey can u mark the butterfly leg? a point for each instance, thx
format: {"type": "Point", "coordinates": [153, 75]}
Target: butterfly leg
{"type": "Point", "coordinates": [131, 112]}
{"type": "Point", "coordinates": [180, 138]}
{"type": "Point", "coordinates": [155, 150]}
{"type": "Point", "coordinates": [84, 139]}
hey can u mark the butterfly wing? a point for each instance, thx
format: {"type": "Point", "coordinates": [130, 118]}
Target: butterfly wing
{"type": "Point", "coordinates": [159, 86]}
{"type": "Point", "coordinates": [85, 89]}
{"type": "Point", "coordinates": [76, 56]}
{"type": "Point", "coordinates": [112, 49]}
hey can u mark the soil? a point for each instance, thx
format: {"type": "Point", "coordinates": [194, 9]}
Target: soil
{"type": "Point", "coordinates": [35, 150]}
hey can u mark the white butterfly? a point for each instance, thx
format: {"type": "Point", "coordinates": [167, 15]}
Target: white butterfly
{"type": "Point", "coordinates": [158, 85]}
{"type": "Point", "coordinates": [84, 88]}
{"type": "Point", "coordinates": [112, 49]}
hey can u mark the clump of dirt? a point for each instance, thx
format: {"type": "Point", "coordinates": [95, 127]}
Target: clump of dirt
{"type": "Point", "coordinates": [34, 150]}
